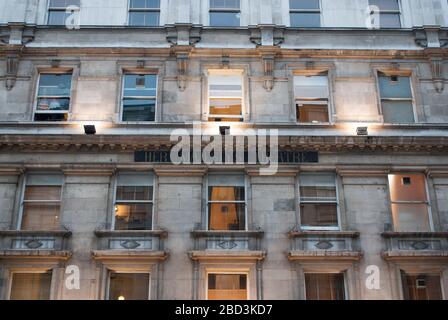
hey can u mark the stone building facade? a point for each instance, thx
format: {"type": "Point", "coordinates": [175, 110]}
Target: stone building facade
{"type": "Point", "coordinates": [355, 88]}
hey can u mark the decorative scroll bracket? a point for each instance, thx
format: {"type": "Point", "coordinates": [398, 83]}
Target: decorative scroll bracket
{"type": "Point", "coordinates": [267, 35]}
{"type": "Point", "coordinates": [182, 59]}
{"type": "Point", "coordinates": [431, 37]}
{"type": "Point", "coordinates": [437, 73]}
{"type": "Point", "coordinates": [183, 34]}
{"type": "Point", "coordinates": [268, 68]}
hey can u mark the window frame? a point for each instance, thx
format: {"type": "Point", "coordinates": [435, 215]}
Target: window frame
{"type": "Point", "coordinates": [221, 72]}
{"type": "Point", "coordinates": [128, 17]}
{"type": "Point", "coordinates": [314, 73]}
{"type": "Point", "coordinates": [398, 12]}
{"type": "Point", "coordinates": [305, 11]}
{"type": "Point", "coordinates": [427, 202]}
{"type": "Point", "coordinates": [110, 271]}
{"type": "Point", "coordinates": [22, 199]}
{"type": "Point", "coordinates": [56, 9]}
{"type": "Point", "coordinates": [37, 96]}
{"type": "Point", "coordinates": [231, 272]}
{"type": "Point", "coordinates": [419, 272]}
{"type": "Point", "coordinates": [208, 202]}
{"type": "Point", "coordinates": [114, 201]}
{"type": "Point", "coordinates": [27, 271]}
{"type": "Point", "coordinates": [122, 96]}
{"type": "Point", "coordinates": [223, 10]}
{"type": "Point", "coordinates": [337, 202]}
{"type": "Point", "coordinates": [345, 281]}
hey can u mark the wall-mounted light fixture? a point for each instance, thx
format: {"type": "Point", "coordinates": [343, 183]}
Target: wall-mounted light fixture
{"type": "Point", "coordinates": [89, 129]}
{"type": "Point", "coordinates": [224, 130]}
{"type": "Point", "coordinates": [362, 131]}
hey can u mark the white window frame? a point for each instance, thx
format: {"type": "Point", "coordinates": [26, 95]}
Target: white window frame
{"type": "Point", "coordinates": [110, 271]}
{"type": "Point", "coordinates": [122, 97]}
{"type": "Point", "coordinates": [232, 272]}
{"type": "Point", "coordinates": [223, 10]}
{"type": "Point", "coordinates": [115, 202]}
{"type": "Point", "coordinates": [397, 12]}
{"type": "Point", "coordinates": [23, 201]}
{"type": "Point", "coordinates": [128, 18]}
{"type": "Point", "coordinates": [337, 202]}
{"type": "Point", "coordinates": [37, 96]}
{"type": "Point", "coordinates": [223, 72]}
{"type": "Point", "coordinates": [320, 11]}
{"type": "Point", "coordinates": [427, 202]}
{"type": "Point", "coordinates": [344, 274]}
{"type": "Point", "coordinates": [208, 202]}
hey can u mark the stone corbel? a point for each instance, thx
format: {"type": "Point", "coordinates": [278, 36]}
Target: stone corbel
{"type": "Point", "coordinates": [268, 60]}
{"type": "Point", "coordinates": [437, 73]}
{"type": "Point", "coordinates": [431, 37]}
{"type": "Point", "coordinates": [267, 35]}
{"type": "Point", "coordinates": [182, 58]}
{"type": "Point", "coordinates": [183, 34]}
{"type": "Point", "coordinates": [12, 68]}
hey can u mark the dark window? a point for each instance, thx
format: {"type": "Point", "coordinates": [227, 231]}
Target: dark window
{"type": "Point", "coordinates": [133, 208]}
{"type": "Point", "coordinates": [325, 286]}
{"type": "Point", "coordinates": [227, 287]}
{"type": "Point", "coordinates": [129, 286]}
{"type": "Point", "coordinates": [225, 13]}
{"type": "Point", "coordinates": [53, 97]}
{"type": "Point", "coordinates": [304, 13]}
{"type": "Point", "coordinates": [139, 97]}
{"type": "Point", "coordinates": [421, 287]}
{"type": "Point", "coordinates": [144, 13]}
{"type": "Point", "coordinates": [31, 286]}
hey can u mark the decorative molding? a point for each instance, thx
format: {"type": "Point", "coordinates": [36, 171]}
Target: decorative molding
{"type": "Point", "coordinates": [267, 35]}
{"type": "Point", "coordinates": [183, 34]}
{"type": "Point", "coordinates": [268, 61]}
{"type": "Point", "coordinates": [437, 73]}
{"type": "Point", "coordinates": [431, 37]}
{"type": "Point", "coordinates": [182, 59]}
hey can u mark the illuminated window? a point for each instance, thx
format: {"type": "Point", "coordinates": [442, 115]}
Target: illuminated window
{"type": "Point", "coordinates": [139, 97]}
{"type": "Point", "coordinates": [409, 199]}
{"type": "Point", "coordinates": [53, 97]}
{"type": "Point", "coordinates": [227, 287]}
{"type": "Point", "coordinates": [304, 13]}
{"type": "Point", "coordinates": [226, 202]}
{"type": "Point", "coordinates": [225, 97]}
{"type": "Point", "coordinates": [389, 12]}
{"type": "Point", "coordinates": [396, 98]}
{"type": "Point", "coordinates": [144, 13]}
{"type": "Point", "coordinates": [325, 286]}
{"type": "Point", "coordinates": [421, 286]}
{"type": "Point", "coordinates": [31, 286]}
{"type": "Point", "coordinates": [57, 11]}
{"type": "Point", "coordinates": [311, 95]}
{"type": "Point", "coordinates": [225, 13]}
{"type": "Point", "coordinates": [134, 202]}
{"type": "Point", "coordinates": [318, 201]}
{"type": "Point", "coordinates": [128, 286]}
{"type": "Point", "coordinates": [42, 202]}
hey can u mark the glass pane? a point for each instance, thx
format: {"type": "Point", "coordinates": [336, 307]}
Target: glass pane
{"type": "Point", "coordinates": [385, 4]}
{"type": "Point", "coordinates": [224, 4]}
{"type": "Point", "coordinates": [421, 287]}
{"type": "Point", "coordinates": [57, 18]}
{"type": "Point", "coordinates": [309, 113]}
{"type": "Point", "coordinates": [226, 107]}
{"type": "Point", "coordinates": [43, 193]}
{"type": "Point", "coordinates": [129, 286]}
{"type": "Point", "coordinates": [225, 19]}
{"type": "Point", "coordinates": [227, 287]}
{"type": "Point", "coordinates": [303, 4]}
{"type": "Point", "coordinates": [64, 3]}
{"type": "Point", "coordinates": [31, 286]}
{"type": "Point", "coordinates": [41, 216]}
{"type": "Point", "coordinates": [140, 85]}
{"type": "Point", "coordinates": [325, 286]}
{"type": "Point", "coordinates": [398, 111]}
{"type": "Point", "coordinates": [144, 19]}
{"type": "Point", "coordinates": [55, 85]}
{"type": "Point", "coordinates": [314, 87]}
{"type": "Point", "coordinates": [390, 20]}
{"type": "Point", "coordinates": [305, 20]}
{"type": "Point", "coordinates": [226, 193]}
{"type": "Point", "coordinates": [139, 109]}
{"type": "Point", "coordinates": [227, 216]}
{"type": "Point", "coordinates": [319, 215]}
{"type": "Point", "coordinates": [53, 104]}
{"type": "Point", "coordinates": [407, 187]}
{"type": "Point", "coordinates": [318, 193]}
{"type": "Point", "coordinates": [145, 4]}
{"type": "Point", "coordinates": [395, 87]}
{"type": "Point", "coordinates": [51, 117]}
{"type": "Point", "coordinates": [137, 216]}
{"type": "Point", "coordinates": [134, 193]}
{"type": "Point", "coordinates": [411, 217]}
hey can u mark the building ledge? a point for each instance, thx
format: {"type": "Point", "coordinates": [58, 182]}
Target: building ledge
{"type": "Point", "coordinates": [227, 254]}
{"type": "Point", "coordinates": [324, 255]}
{"type": "Point", "coordinates": [414, 255]}
{"type": "Point", "coordinates": [25, 233]}
{"type": "Point", "coordinates": [232, 233]}
{"type": "Point", "coordinates": [393, 234]}
{"type": "Point", "coordinates": [131, 233]}
{"type": "Point", "coordinates": [129, 254]}
{"type": "Point", "coordinates": [35, 254]}
{"type": "Point", "coordinates": [324, 234]}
